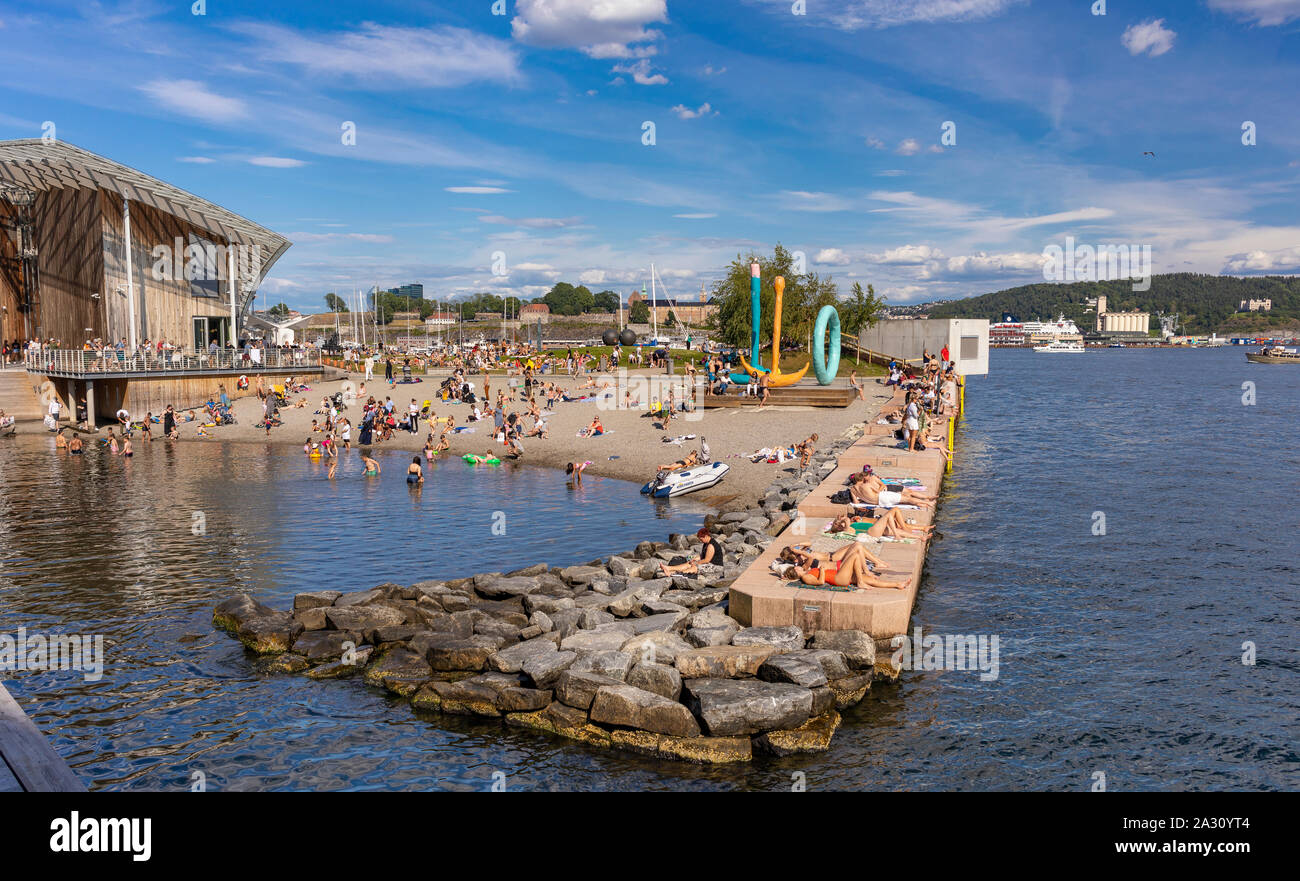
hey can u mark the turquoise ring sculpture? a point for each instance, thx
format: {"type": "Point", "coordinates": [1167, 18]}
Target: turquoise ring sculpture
{"type": "Point", "coordinates": [826, 371]}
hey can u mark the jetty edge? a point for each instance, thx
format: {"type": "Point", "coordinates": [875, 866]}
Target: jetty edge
{"type": "Point", "coordinates": [615, 655]}
{"type": "Point", "coordinates": [28, 763]}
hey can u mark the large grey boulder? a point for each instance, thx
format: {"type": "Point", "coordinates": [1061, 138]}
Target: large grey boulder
{"type": "Point", "coordinates": [579, 689]}
{"type": "Point", "coordinates": [659, 646]}
{"type": "Point", "coordinates": [447, 652]}
{"type": "Point", "coordinates": [658, 678]}
{"type": "Point", "coordinates": [747, 706]}
{"type": "Point", "coordinates": [783, 639]}
{"type": "Point", "coordinates": [722, 661]}
{"type": "Point", "coordinates": [505, 586]}
{"type": "Point", "coordinates": [788, 668]}
{"type": "Point", "coordinates": [315, 599]}
{"type": "Point", "coordinates": [606, 637]}
{"type": "Point", "coordinates": [362, 619]}
{"type": "Point", "coordinates": [513, 658]}
{"type": "Point", "coordinates": [858, 648]}
{"type": "Point", "coordinates": [321, 645]}
{"type": "Point", "coordinates": [614, 664]}
{"type": "Point", "coordinates": [630, 707]}
{"type": "Point", "coordinates": [544, 670]}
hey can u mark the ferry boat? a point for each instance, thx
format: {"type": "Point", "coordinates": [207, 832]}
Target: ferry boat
{"type": "Point", "coordinates": [1274, 355]}
{"type": "Point", "coordinates": [1059, 346]}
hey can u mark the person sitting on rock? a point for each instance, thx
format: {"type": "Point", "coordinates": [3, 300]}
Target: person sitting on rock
{"type": "Point", "coordinates": [710, 553]}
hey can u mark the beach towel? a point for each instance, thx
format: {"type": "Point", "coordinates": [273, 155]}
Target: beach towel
{"type": "Point", "coordinates": [799, 585]}
{"type": "Point", "coordinates": [867, 506]}
{"type": "Point", "coordinates": [679, 440]}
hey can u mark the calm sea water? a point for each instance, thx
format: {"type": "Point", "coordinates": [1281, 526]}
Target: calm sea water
{"type": "Point", "coordinates": [1120, 654]}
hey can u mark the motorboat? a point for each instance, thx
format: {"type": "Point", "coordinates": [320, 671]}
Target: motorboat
{"type": "Point", "coordinates": [668, 484]}
{"type": "Point", "coordinates": [1060, 346]}
{"type": "Point", "coordinates": [1274, 355]}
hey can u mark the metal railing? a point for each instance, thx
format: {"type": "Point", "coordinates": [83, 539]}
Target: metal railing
{"type": "Point", "coordinates": [76, 362]}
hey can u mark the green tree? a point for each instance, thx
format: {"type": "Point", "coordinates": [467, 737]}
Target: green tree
{"type": "Point", "coordinates": [606, 301]}
{"type": "Point", "coordinates": [804, 294]}
{"type": "Point", "coordinates": [639, 313]}
{"type": "Point", "coordinates": [861, 310]}
{"type": "Point", "coordinates": [335, 303]}
{"type": "Point", "coordinates": [279, 310]}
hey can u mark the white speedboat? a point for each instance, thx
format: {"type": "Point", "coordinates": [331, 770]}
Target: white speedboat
{"type": "Point", "coordinates": [668, 484]}
{"type": "Point", "coordinates": [1059, 346]}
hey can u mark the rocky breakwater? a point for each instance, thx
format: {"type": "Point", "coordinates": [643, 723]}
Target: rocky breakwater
{"type": "Point", "coordinates": [611, 653]}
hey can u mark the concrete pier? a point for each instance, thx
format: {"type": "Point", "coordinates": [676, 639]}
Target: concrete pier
{"type": "Point", "coordinates": [759, 598]}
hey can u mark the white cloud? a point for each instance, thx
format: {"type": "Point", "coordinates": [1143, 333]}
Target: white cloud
{"type": "Point", "coordinates": [1266, 13]}
{"type": "Point", "coordinates": [197, 160]}
{"type": "Point", "coordinates": [710, 70]}
{"type": "Point", "coordinates": [891, 172]}
{"type": "Point", "coordinates": [934, 148]}
{"type": "Point", "coordinates": [908, 255]}
{"type": "Point", "coordinates": [985, 265]}
{"type": "Point", "coordinates": [276, 162]}
{"type": "Point", "coordinates": [875, 143]}
{"type": "Point", "coordinates": [1286, 260]}
{"type": "Point", "coordinates": [684, 112]}
{"type": "Point", "coordinates": [641, 75]}
{"type": "Point", "coordinates": [193, 98]}
{"type": "Point", "coordinates": [801, 200]}
{"type": "Point", "coordinates": [477, 191]}
{"type": "Point", "coordinates": [1151, 37]}
{"type": "Point", "coordinates": [908, 147]}
{"type": "Point", "coordinates": [592, 276]}
{"type": "Point", "coordinates": [832, 257]}
{"type": "Point", "coordinates": [388, 57]}
{"type": "Point", "coordinates": [602, 29]}
{"type": "Point", "coordinates": [695, 216]}
{"type": "Point", "coordinates": [305, 237]}
{"type": "Point", "coordinates": [530, 222]}
{"type": "Point", "coordinates": [857, 14]}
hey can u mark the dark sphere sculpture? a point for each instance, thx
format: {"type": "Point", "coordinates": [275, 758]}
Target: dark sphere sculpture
{"type": "Point", "coordinates": [627, 337]}
{"type": "Point", "coordinates": [609, 337]}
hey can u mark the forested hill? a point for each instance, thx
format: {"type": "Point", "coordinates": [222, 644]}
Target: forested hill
{"type": "Point", "coordinates": [1205, 302]}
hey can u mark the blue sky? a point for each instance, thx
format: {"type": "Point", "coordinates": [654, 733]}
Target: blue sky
{"type": "Point", "coordinates": [523, 133]}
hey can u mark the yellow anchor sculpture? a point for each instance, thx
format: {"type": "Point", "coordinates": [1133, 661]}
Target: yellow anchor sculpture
{"type": "Point", "coordinates": [776, 379]}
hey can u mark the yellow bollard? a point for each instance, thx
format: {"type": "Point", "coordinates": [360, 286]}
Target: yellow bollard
{"type": "Point", "coordinates": [961, 394]}
{"type": "Point", "coordinates": [951, 425]}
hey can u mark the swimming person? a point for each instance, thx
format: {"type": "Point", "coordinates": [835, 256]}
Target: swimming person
{"type": "Point", "coordinates": [74, 445]}
{"type": "Point", "coordinates": [371, 466]}
{"type": "Point", "coordinates": [414, 473]}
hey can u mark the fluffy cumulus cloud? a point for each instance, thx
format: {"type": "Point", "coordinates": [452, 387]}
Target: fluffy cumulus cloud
{"type": "Point", "coordinates": [832, 257]}
{"type": "Point", "coordinates": [982, 265]}
{"type": "Point", "coordinates": [1150, 37]}
{"type": "Point", "coordinates": [601, 29]}
{"type": "Point", "coordinates": [193, 98]}
{"type": "Point", "coordinates": [1286, 260]}
{"type": "Point", "coordinates": [1266, 13]}
{"type": "Point", "coordinates": [391, 57]}
{"type": "Point", "coordinates": [592, 276]}
{"type": "Point", "coordinates": [908, 147]}
{"type": "Point", "coordinates": [908, 255]}
{"type": "Point", "coordinates": [641, 74]}
{"type": "Point", "coordinates": [684, 112]}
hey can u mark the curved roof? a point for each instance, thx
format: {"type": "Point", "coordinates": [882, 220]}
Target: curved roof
{"type": "Point", "coordinates": [38, 164]}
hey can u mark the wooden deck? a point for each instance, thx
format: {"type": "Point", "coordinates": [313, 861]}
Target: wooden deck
{"type": "Point", "coordinates": [27, 761]}
{"type": "Point", "coordinates": [759, 598]}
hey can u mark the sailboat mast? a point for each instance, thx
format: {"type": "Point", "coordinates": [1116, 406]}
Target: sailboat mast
{"type": "Point", "coordinates": [654, 303]}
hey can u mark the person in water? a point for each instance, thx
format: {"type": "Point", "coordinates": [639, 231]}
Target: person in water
{"type": "Point", "coordinates": [575, 471]}
{"type": "Point", "coordinates": [414, 473]}
{"type": "Point", "coordinates": [710, 553]}
{"type": "Point", "coordinates": [74, 445]}
{"type": "Point", "coordinates": [127, 452]}
{"type": "Point", "coordinates": [371, 466]}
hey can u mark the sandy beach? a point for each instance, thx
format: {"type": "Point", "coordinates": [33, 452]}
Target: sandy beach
{"type": "Point", "coordinates": [632, 448]}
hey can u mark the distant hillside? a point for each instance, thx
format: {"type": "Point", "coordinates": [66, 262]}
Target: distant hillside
{"type": "Point", "coordinates": [1205, 302]}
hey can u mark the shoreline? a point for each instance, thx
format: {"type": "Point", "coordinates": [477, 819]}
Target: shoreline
{"type": "Point", "coordinates": [616, 653]}
{"type": "Point", "coordinates": [631, 438]}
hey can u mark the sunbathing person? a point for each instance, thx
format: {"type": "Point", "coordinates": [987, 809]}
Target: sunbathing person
{"type": "Point", "coordinates": [689, 461]}
{"type": "Point", "coordinates": [870, 489]}
{"type": "Point", "coordinates": [804, 555]}
{"type": "Point", "coordinates": [889, 524]}
{"type": "Point", "coordinates": [850, 570]}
